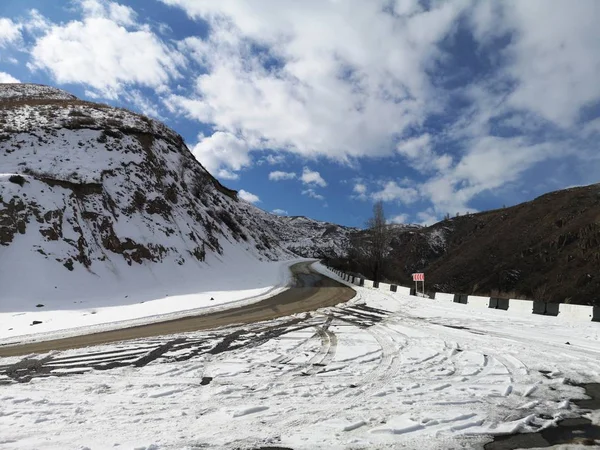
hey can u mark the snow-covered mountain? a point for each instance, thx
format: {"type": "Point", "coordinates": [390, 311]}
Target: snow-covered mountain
{"type": "Point", "coordinates": [98, 200]}
{"type": "Point", "coordinates": [310, 238]}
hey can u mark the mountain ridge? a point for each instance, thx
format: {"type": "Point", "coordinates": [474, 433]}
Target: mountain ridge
{"type": "Point", "coordinates": [545, 249]}
{"type": "Point", "coordinates": [112, 197]}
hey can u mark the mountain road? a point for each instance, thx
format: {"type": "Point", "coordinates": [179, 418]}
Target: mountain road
{"type": "Point", "coordinates": [309, 291]}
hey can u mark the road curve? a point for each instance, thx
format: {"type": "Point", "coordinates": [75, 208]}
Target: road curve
{"type": "Point", "coordinates": [310, 290]}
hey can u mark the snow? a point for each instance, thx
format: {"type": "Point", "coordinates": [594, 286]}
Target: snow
{"type": "Point", "coordinates": [18, 91]}
{"type": "Point", "coordinates": [307, 237]}
{"type": "Point", "coordinates": [76, 242]}
{"type": "Point", "coordinates": [385, 371]}
{"type": "Point", "coordinates": [240, 280]}
{"type": "Point", "coordinates": [437, 239]}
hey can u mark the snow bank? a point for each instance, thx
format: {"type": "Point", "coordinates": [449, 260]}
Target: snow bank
{"type": "Point", "coordinates": [233, 282]}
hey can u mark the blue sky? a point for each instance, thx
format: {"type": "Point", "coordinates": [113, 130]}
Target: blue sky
{"type": "Point", "coordinates": [322, 107]}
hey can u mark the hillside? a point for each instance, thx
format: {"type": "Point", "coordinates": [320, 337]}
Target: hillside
{"type": "Point", "coordinates": [97, 201]}
{"type": "Point", "coordinates": [547, 249]}
{"type": "Point", "coordinates": [310, 238]}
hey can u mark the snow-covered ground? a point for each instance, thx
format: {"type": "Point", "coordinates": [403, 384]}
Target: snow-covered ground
{"type": "Point", "coordinates": [106, 215]}
{"type": "Point", "coordinates": [223, 282]}
{"type": "Point", "coordinates": [384, 371]}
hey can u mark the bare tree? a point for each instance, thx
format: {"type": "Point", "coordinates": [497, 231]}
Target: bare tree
{"type": "Point", "coordinates": [372, 245]}
{"type": "Point", "coordinates": [369, 248]}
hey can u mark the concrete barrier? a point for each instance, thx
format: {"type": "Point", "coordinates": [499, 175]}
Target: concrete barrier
{"type": "Point", "coordinates": [578, 313]}
{"type": "Point", "coordinates": [430, 294]}
{"type": "Point", "coordinates": [476, 301]}
{"type": "Point", "coordinates": [539, 307]}
{"type": "Point", "coordinates": [545, 309]}
{"type": "Point", "coordinates": [368, 283]}
{"type": "Point", "coordinates": [552, 309]}
{"type": "Point", "coordinates": [523, 307]}
{"type": "Point", "coordinates": [502, 303]}
{"type": "Point", "coordinates": [385, 287]}
{"type": "Point", "coordinates": [361, 281]}
{"type": "Point", "coordinates": [461, 298]}
{"type": "Point", "coordinates": [444, 297]}
{"type": "Point", "coordinates": [403, 290]}
{"type": "Point", "coordinates": [596, 317]}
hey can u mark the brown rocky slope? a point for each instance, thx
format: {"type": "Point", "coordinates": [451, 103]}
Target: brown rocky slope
{"type": "Point", "coordinates": [546, 249]}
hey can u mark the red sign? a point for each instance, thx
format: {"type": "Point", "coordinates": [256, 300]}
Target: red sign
{"type": "Point", "coordinates": [418, 276]}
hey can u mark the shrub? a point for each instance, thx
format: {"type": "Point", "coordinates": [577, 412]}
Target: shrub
{"type": "Point", "coordinates": [77, 113]}
{"type": "Point", "coordinates": [171, 193]}
{"type": "Point", "coordinates": [228, 220]}
{"type": "Point", "coordinates": [139, 200]}
{"type": "Point", "coordinates": [17, 179]}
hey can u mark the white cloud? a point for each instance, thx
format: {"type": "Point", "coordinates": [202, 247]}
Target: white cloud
{"type": "Point", "coordinates": [418, 152]}
{"type": "Point", "coordinates": [413, 148]}
{"type": "Point", "coordinates": [248, 197]}
{"type": "Point", "coordinates": [36, 23]}
{"type": "Point", "coordinates": [143, 103]}
{"type": "Point", "coordinates": [360, 191]}
{"type": "Point", "coordinates": [280, 212]}
{"type": "Point", "coordinates": [102, 52]}
{"type": "Point", "coordinates": [121, 14]}
{"type": "Point", "coordinates": [347, 79]}
{"type": "Point", "coordinates": [275, 159]}
{"type": "Point", "coordinates": [427, 218]}
{"type": "Point", "coordinates": [400, 219]}
{"type": "Point", "coordinates": [556, 57]}
{"type": "Point", "coordinates": [312, 194]}
{"type": "Point", "coordinates": [226, 174]}
{"type": "Point", "coordinates": [553, 56]}
{"type": "Point", "coordinates": [360, 188]}
{"type": "Point", "coordinates": [279, 175]}
{"type": "Point", "coordinates": [7, 78]}
{"type": "Point", "coordinates": [222, 154]}
{"type": "Point", "coordinates": [393, 192]}
{"type": "Point", "coordinates": [312, 177]}
{"type": "Point", "coordinates": [10, 31]}
{"type": "Point", "coordinates": [491, 163]}
{"type": "Point", "coordinates": [350, 79]}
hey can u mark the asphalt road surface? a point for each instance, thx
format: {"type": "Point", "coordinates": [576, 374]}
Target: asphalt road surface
{"type": "Point", "coordinates": [310, 290]}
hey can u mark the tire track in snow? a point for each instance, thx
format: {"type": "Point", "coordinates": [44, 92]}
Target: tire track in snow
{"type": "Point", "coordinates": [327, 351]}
